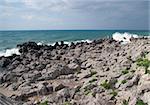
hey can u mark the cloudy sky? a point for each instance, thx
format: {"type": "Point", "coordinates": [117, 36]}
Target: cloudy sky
{"type": "Point", "coordinates": [74, 14]}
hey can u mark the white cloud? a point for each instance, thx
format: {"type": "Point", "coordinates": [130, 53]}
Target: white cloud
{"type": "Point", "coordinates": [28, 17]}
{"type": "Point", "coordinates": [54, 5]}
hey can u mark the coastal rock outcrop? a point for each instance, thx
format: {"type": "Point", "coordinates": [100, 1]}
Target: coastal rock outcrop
{"type": "Point", "coordinates": [103, 72]}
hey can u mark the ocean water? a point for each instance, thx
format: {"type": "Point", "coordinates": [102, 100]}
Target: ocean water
{"type": "Point", "coordinates": [9, 39]}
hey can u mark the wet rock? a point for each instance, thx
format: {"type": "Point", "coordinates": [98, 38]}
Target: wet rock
{"type": "Point", "coordinates": [4, 62]}
{"type": "Point", "coordinates": [28, 46]}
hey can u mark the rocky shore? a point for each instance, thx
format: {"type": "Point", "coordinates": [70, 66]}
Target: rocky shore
{"type": "Point", "coordinates": [103, 72]}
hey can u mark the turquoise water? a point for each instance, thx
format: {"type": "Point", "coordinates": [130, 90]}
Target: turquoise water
{"type": "Point", "coordinates": [9, 39]}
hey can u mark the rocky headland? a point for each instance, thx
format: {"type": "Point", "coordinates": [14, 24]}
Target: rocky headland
{"type": "Point", "coordinates": [103, 72]}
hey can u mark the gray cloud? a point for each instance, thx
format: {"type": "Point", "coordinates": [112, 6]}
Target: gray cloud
{"type": "Point", "coordinates": [74, 14]}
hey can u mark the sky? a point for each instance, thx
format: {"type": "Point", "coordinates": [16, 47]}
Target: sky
{"type": "Point", "coordinates": [74, 14]}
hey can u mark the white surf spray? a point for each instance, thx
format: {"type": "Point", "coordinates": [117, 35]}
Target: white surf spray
{"type": "Point", "coordinates": [69, 43]}
{"type": "Point", "coordinates": [10, 52]}
{"type": "Point", "coordinates": [124, 37]}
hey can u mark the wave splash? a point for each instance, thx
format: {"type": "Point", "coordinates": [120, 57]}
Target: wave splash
{"type": "Point", "coordinates": [65, 42]}
{"type": "Point", "coordinates": [124, 37]}
{"type": "Point", "coordinates": [10, 52]}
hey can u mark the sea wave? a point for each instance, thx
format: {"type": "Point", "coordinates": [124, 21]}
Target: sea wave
{"type": "Point", "coordinates": [124, 37]}
{"type": "Point", "coordinates": [65, 42]}
{"type": "Point", "coordinates": [10, 52]}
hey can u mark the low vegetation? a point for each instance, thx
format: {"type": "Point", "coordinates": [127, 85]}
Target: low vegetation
{"type": "Point", "coordinates": [124, 81]}
{"type": "Point", "coordinates": [140, 102]}
{"type": "Point", "coordinates": [87, 92]}
{"type": "Point", "coordinates": [125, 72]}
{"type": "Point", "coordinates": [114, 93]}
{"type": "Point", "coordinates": [93, 72]}
{"type": "Point", "coordinates": [144, 63]}
{"type": "Point", "coordinates": [106, 85]}
{"type": "Point", "coordinates": [67, 103]}
{"type": "Point", "coordinates": [125, 102]}
{"type": "Point", "coordinates": [44, 103]}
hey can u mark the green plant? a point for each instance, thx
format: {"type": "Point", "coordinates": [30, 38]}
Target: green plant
{"type": "Point", "coordinates": [114, 93]}
{"type": "Point", "coordinates": [87, 92]}
{"type": "Point", "coordinates": [143, 55]}
{"type": "Point", "coordinates": [145, 63]}
{"type": "Point", "coordinates": [106, 84]}
{"type": "Point", "coordinates": [125, 102]}
{"type": "Point", "coordinates": [44, 103]}
{"type": "Point", "coordinates": [93, 80]}
{"type": "Point", "coordinates": [125, 72]}
{"type": "Point", "coordinates": [132, 71]}
{"type": "Point", "coordinates": [87, 89]}
{"type": "Point", "coordinates": [124, 81]}
{"type": "Point", "coordinates": [93, 73]}
{"type": "Point", "coordinates": [67, 103]}
{"type": "Point", "coordinates": [140, 102]}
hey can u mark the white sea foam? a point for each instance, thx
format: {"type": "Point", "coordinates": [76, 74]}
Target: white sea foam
{"type": "Point", "coordinates": [124, 37]}
{"type": "Point", "coordinates": [69, 43]}
{"type": "Point", "coordinates": [10, 52]}
{"type": "Point", "coordinates": [40, 43]}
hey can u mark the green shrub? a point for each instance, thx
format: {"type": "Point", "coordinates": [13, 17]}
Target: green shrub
{"type": "Point", "coordinates": [44, 103]}
{"type": "Point", "coordinates": [87, 92]}
{"type": "Point", "coordinates": [143, 55]}
{"type": "Point", "coordinates": [114, 93]}
{"type": "Point", "coordinates": [125, 72]}
{"type": "Point", "coordinates": [125, 102]}
{"type": "Point", "coordinates": [140, 102]}
{"type": "Point", "coordinates": [93, 73]}
{"type": "Point", "coordinates": [124, 81]}
{"type": "Point", "coordinates": [67, 103]}
{"type": "Point", "coordinates": [132, 71]}
{"type": "Point", "coordinates": [106, 84]}
{"type": "Point", "coordinates": [145, 63]}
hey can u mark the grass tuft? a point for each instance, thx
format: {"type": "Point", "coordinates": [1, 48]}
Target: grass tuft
{"type": "Point", "coordinates": [93, 73]}
{"type": "Point", "coordinates": [124, 81]}
{"type": "Point", "coordinates": [140, 102]}
{"type": "Point", "coordinates": [67, 103]}
{"type": "Point", "coordinates": [145, 63]}
{"type": "Point", "coordinates": [125, 72]}
{"type": "Point", "coordinates": [106, 85]}
{"type": "Point", "coordinates": [114, 93]}
{"type": "Point", "coordinates": [44, 103]}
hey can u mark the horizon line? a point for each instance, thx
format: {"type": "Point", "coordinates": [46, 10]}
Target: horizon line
{"type": "Point", "coordinates": [75, 30]}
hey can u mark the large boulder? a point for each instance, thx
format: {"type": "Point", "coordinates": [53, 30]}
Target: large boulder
{"type": "Point", "coordinates": [26, 47]}
{"type": "Point", "coordinates": [56, 70]}
{"type": "Point", "coordinates": [45, 88]}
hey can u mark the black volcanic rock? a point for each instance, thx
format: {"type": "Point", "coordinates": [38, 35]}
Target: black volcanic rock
{"type": "Point", "coordinates": [26, 47]}
{"type": "Point", "coordinates": [4, 62]}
